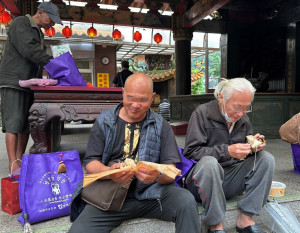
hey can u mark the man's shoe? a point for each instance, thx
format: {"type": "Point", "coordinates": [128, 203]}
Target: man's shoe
{"type": "Point", "coordinates": [250, 229]}
{"type": "Point", "coordinates": [217, 231]}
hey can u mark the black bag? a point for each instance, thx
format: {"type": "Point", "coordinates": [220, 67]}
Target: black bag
{"type": "Point", "coordinates": [106, 195]}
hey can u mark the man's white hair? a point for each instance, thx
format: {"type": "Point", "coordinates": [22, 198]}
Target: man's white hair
{"type": "Point", "coordinates": [228, 86]}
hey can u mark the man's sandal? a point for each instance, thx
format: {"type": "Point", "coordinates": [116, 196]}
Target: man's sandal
{"type": "Point", "coordinates": [16, 172]}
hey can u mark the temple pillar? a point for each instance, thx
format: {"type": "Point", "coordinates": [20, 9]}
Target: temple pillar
{"type": "Point", "coordinates": [182, 37]}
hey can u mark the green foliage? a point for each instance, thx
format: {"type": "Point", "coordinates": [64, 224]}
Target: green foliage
{"type": "Point", "coordinates": [198, 87]}
{"type": "Point", "coordinates": [214, 64]}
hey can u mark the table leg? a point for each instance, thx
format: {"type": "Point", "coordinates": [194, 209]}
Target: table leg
{"type": "Point", "coordinates": [37, 123]}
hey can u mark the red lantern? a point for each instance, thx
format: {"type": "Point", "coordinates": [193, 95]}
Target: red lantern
{"type": "Point", "coordinates": [137, 36]}
{"type": "Point", "coordinates": [50, 32]}
{"type": "Point", "coordinates": [5, 17]}
{"type": "Point", "coordinates": [157, 38]}
{"type": "Point", "coordinates": [116, 34]}
{"type": "Point", "coordinates": [67, 32]}
{"type": "Point", "coordinates": [92, 32]}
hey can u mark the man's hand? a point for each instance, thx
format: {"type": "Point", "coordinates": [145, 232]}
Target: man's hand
{"type": "Point", "coordinates": [120, 177]}
{"type": "Point", "coordinates": [260, 147]}
{"type": "Point", "coordinates": [239, 150]}
{"type": "Point", "coordinates": [147, 175]}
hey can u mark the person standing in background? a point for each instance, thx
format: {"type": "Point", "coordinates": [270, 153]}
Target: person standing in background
{"type": "Point", "coordinates": [120, 78]}
{"type": "Point", "coordinates": [164, 109]}
{"type": "Point", "coordinates": [24, 58]}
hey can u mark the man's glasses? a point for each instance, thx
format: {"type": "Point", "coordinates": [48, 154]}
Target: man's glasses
{"type": "Point", "coordinates": [239, 109]}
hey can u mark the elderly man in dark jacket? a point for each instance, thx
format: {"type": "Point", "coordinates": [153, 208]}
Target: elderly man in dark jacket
{"type": "Point", "coordinates": [227, 165]}
{"type": "Point", "coordinates": [24, 58]}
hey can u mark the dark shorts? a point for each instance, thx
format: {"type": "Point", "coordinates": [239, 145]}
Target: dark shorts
{"type": "Point", "coordinates": [15, 105]}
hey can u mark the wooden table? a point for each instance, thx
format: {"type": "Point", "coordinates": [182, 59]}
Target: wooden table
{"type": "Point", "coordinates": [53, 105]}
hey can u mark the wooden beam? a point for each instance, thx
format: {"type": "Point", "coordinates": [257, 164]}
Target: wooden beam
{"type": "Point", "coordinates": [11, 6]}
{"type": "Point", "coordinates": [201, 9]}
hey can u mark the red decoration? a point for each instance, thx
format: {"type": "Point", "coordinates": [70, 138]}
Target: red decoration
{"type": "Point", "coordinates": [67, 32]}
{"type": "Point", "coordinates": [157, 38]}
{"type": "Point", "coordinates": [5, 17]}
{"type": "Point", "coordinates": [116, 34]}
{"type": "Point", "coordinates": [50, 32]}
{"type": "Point", "coordinates": [92, 32]}
{"type": "Point", "coordinates": [137, 36]}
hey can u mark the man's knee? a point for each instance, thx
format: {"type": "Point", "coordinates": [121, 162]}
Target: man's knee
{"type": "Point", "coordinates": [267, 160]}
{"type": "Point", "coordinates": [207, 165]}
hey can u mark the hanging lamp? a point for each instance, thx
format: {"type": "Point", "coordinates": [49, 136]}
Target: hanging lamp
{"type": "Point", "coordinates": [158, 38]}
{"type": "Point", "coordinates": [116, 34]}
{"type": "Point", "coordinates": [5, 17]}
{"type": "Point", "coordinates": [92, 32]}
{"type": "Point", "coordinates": [50, 32]}
{"type": "Point", "coordinates": [67, 32]}
{"type": "Point", "coordinates": [137, 36]}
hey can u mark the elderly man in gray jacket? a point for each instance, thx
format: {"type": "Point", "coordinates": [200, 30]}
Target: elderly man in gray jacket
{"type": "Point", "coordinates": [226, 164]}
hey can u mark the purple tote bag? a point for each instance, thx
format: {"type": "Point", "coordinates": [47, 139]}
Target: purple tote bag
{"type": "Point", "coordinates": [64, 69]}
{"type": "Point", "coordinates": [43, 192]}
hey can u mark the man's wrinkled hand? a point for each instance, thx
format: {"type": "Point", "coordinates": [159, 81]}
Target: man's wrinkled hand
{"type": "Point", "coordinates": [122, 176]}
{"type": "Point", "coordinates": [261, 146]}
{"type": "Point", "coordinates": [146, 175]}
{"type": "Point", "coordinates": [239, 150]}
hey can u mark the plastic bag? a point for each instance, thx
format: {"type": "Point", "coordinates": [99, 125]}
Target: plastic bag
{"type": "Point", "coordinates": [279, 218]}
{"type": "Point", "coordinates": [64, 69]}
{"type": "Point", "coordinates": [58, 50]}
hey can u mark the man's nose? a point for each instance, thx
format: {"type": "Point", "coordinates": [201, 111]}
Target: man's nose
{"type": "Point", "coordinates": [136, 104]}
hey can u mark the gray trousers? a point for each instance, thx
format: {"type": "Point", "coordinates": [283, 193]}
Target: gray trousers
{"type": "Point", "coordinates": [212, 185]}
{"type": "Point", "coordinates": [177, 205]}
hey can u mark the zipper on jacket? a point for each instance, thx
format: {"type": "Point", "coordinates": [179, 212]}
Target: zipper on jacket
{"type": "Point", "coordinates": [159, 204]}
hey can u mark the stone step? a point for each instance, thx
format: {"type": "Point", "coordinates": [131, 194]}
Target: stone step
{"type": "Point", "coordinates": [62, 225]}
{"type": "Point", "coordinates": [157, 226]}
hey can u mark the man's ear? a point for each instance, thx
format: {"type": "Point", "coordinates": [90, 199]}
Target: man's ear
{"type": "Point", "coordinates": [221, 99]}
{"type": "Point", "coordinates": [153, 96]}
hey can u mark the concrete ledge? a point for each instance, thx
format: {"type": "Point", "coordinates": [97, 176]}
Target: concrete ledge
{"type": "Point", "coordinates": [62, 225]}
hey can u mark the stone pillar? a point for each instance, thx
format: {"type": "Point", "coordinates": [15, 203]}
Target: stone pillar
{"type": "Point", "coordinates": [182, 37]}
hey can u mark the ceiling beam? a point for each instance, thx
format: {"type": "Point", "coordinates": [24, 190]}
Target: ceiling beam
{"type": "Point", "coordinates": [12, 7]}
{"type": "Point", "coordinates": [200, 10]}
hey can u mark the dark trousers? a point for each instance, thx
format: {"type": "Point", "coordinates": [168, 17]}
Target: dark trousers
{"type": "Point", "coordinates": [212, 185]}
{"type": "Point", "coordinates": [176, 205]}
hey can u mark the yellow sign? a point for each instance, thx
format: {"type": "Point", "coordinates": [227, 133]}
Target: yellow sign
{"type": "Point", "coordinates": [102, 80]}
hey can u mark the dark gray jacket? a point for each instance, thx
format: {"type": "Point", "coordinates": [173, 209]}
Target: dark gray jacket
{"type": "Point", "coordinates": [24, 54]}
{"type": "Point", "coordinates": [208, 134]}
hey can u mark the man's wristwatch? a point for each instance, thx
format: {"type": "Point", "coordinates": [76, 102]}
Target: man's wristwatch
{"type": "Point", "coordinates": [158, 177]}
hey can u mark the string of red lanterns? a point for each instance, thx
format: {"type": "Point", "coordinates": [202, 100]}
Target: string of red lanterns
{"type": "Point", "coordinates": [137, 36]}
{"type": "Point", "coordinates": [50, 32]}
{"type": "Point", "coordinates": [158, 38]}
{"type": "Point", "coordinates": [92, 32]}
{"type": "Point", "coordinates": [116, 34]}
